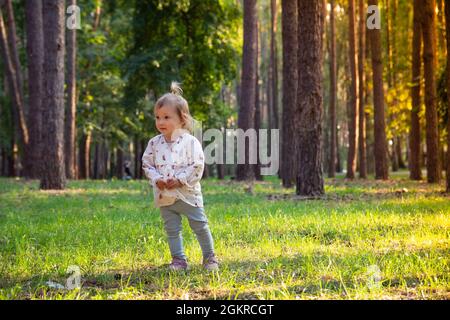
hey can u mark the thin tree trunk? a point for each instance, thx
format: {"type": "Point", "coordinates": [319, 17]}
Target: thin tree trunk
{"type": "Point", "coordinates": [119, 162]}
{"type": "Point", "coordinates": [137, 164]}
{"type": "Point", "coordinates": [14, 54]}
{"type": "Point", "coordinates": [415, 172]}
{"type": "Point", "coordinates": [274, 64]}
{"type": "Point", "coordinates": [429, 57]}
{"type": "Point", "coordinates": [361, 78]}
{"type": "Point", "coordinates": [309, 98]}
{"type": "Point", "coordinates": [333, 94]}
{"type": "Point", "coordinates": [380, 148]}
{"type": "Point", "coordinates": [35, 55]}
{"type": "Point", "coordinates": [338, 154]}
{"type": "Point", "coordinates": [13, 86]}
{"type": "Point", "coordinates": [257, 166]}
{"type": "Point", "coordinates": [290, 83]}
{"type": "Point", "coordinates": [4, 163]}
{"type": "Point", "coordinates": [96, 166]}
{"type": "Point", "coordinates": [447, 22]}
{"type": "Point", "coordinates": [84, 156]}
{"type": "Point", "coordinates": [353, 112]}
{"type": "Point", "coordinates": [70, 121]}
{"type": "Point", "coordinates": [13, 40]}
{"type": "Point", "coordinates": [246, 116]}
{"type": "Point", "coordinates": [53, 168]}
{"type": "Point", "coordinates": [106, 160]}
{"type": "Point", "coordinates": [13, 51]}
{"type": "Point", "coordinates": [401, 164]}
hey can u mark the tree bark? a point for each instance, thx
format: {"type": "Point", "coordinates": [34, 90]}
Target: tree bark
{"type": "Point", "coordinates": [447, 23]}
{"type": "Point", "coordinates": [257, 166]}
{"type": "Point", "coordinates": [401, 164]}
{"type": "Point", "coordinates": [14, 53]}
{"type": "Point", "coordinates": [428, 18]}
{"type": "Point", "coordinates": [13, 86]}
{"type": "Point", "coordinates": [70, 121]}
{"type": "Point", "coordinates": [290, 83]}
{"type": "Point", "coordinates": [12, 40]}
{"type": "Point", "coordinates": [333, 94]}
{"type": "Point", "coordinates": [361, 90]}
{"type": "Point", "coordinates": [53, 168]}
{"type": "Point", "coordinates": [246, 115]}
{"type": "Point", "coordinates": [35, 55]}
{"type": "Point", "coordinates": [309, 98]}
{"type": "Point", "coordinates": [273, 71]}
{"type": "Point", "coordinates": [415, 172]}
{"type": "Point", "coordinates": [353, 112]}
{"type": "Point", "coordinates": [380, 147]}
{"type": "Point", "coordinates": [84, 156]}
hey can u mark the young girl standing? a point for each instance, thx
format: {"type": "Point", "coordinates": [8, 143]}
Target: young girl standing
{"type": "Point", "coordinates": [174, 163]}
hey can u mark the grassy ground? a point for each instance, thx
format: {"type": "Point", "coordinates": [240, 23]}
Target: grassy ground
{"type": "Point", "coordinates": [364, 240]}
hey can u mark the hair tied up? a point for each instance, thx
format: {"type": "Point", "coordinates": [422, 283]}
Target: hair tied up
{"type": "Point", "coordinates": [175, 88]}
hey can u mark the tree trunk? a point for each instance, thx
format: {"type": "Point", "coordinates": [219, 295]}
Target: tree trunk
{"type": "Point", "coordinates": [447, 22]}
{"type": "Point", "coordinates": [290, 83]}
{"type": "Point", "coordinates": [273, 71]}
{"type": "Point", "coordinates": [361, 78]}
{"type": "Point", "coordinates": [84, 156]}
{"type": "Point", "coordinates": [106, 160]}
{"type": "Point", "coordinates": [429, 58]}
{"type": "Point", "coordinates": [13, 87]}
{"type": "Point", "coordinates": [353, 112]}
{"type": "Point", "coordinates": [70, 121]}
{"type": "Point", "coordinates": [333, 94]}
{"type": "Point", "coordinates": [338, 154]}
{"type": "Point", "coordinates": [415, 172]}
{"type": "Point", "coordinates": [12, 40]}
{"type": "Point", "coordinates": [398, 150]}
{"type": "Point", "coordinates": [53, 168]}
{"type": "Point", "coordinates": [35, 55]}
{"type": "Point", "coordinates": [246, 115]}
{"type": "Point", "coordinates": [257, 166]}
{"type": "Point", "coordinates": [119, 162]}
{"type": "Point", "coordinates": [96, 166]}
{"type": "Point", "coordinates": [380, 147]}
{"type": "Point", "coordinates": [309, 98]}
{"type": "Point", "coordinates": [137, 158]}
{"type": "Point", "coordinates": [14, 53]}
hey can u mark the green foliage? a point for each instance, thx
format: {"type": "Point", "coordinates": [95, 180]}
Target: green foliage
{"type": "Point", "coordinates": [193, 42]}
{"type": "Point", "coordinates": [100, 82]}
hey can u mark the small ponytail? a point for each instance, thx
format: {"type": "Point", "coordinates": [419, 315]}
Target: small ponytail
{"type": "Point", "coordinates": [176, 89]}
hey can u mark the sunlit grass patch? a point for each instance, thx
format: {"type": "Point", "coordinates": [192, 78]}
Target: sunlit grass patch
{"type": "Point", "coordinates": [270, 245]}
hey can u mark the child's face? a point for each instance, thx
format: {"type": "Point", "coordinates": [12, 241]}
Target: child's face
{"type": "Point", "coordinates": [167, 120]}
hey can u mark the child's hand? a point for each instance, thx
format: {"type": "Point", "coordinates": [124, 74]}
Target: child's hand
{"type": "Point", "coordinates": [161, 184]}
{"type": "Point", "coordinates": [173, 183]}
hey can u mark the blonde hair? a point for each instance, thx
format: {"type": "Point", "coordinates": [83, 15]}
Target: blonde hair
{"type": "Point", "coordinates": [174, 98]}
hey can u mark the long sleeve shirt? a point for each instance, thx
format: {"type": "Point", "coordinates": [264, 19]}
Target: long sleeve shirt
{"type": "Point", "coordinates": [182, 159]}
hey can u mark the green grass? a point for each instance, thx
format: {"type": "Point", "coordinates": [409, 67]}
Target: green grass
{"type": "Point", "coordinates": [271, 245]}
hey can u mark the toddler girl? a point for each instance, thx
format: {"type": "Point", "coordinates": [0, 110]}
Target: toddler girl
{"type": "Point", "coordinates": [174, 162]}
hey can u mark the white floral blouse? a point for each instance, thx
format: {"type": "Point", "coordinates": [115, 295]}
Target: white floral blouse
{"type": "Point", "coordinates": [182, 159]}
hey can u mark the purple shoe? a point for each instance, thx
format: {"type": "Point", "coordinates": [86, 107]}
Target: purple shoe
{"type": "Point", "coordinates": [178, 264]}
{"type": "Point", "coordinates": [211, 263]}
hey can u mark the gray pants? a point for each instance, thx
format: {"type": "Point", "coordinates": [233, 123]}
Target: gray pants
{"type": "Point", "coordinates": [171, 216]}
